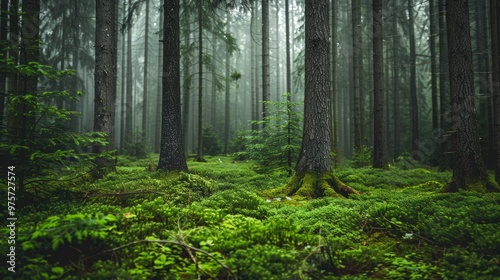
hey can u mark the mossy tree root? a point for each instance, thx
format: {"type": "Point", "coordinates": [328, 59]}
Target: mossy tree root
{"type": "Point", "coordinates": [314, 185]}
{"type": "Point", "coordinates": [483, 185]}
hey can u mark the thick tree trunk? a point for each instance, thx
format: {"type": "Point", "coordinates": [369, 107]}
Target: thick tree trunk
{"type": "Point", "coordinates": [314, 177]}
{"type": "Point", "coordinates": [172, 145]}
{"type": "Point", "coordinates": [105, 80]}
{"type": "Point", "coordinates": [469, 172]}
{"type": "Point", "coordinates": [495, 53]}
{"type": "Point", "coordinates": [379, 129]}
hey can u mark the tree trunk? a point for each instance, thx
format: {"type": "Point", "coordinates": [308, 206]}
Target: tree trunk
{"type": "Point", "coordinates": [333, 108]}
{"type": "Point", "coordinates": [288, 85]}
{"type": "Point", "coordinates": [159, 91]}
{"type": "Point", "coordinates": [379, 136]}
{"type": "Point", "coordinates": [469, 172]}
{"type": "Point", "coordinates": [432, 45]}
{"type": "Point", "coordinates": [356, 88]}
{"type": "Point", "coordinates": [413, 81]}
{"type": "Point", "coordinates": [186, 85]}
{"type": "Point", "coordinates": [253, 91]}
{"type": "Point", "coordinates": [172, 145]}
{"type": "Point", "coordinates": [145, 111]}
{"type": "Point", "coordinates": [105, 81]}
{"type": "Point", "coordinates": [395, 86]}
{"type": "Point", "coordinates": [265, 58]}
{"type": "Point", "coordinates": [495, 54]}
{"type": "Point", "coordinates": [228, 87]}
{"type": "Point", "coordinates": [444, 106]}
{"type": "Point", "coordinates": [4, 30]}
{"type": "Point", "coordinates": [129, 83]}
{"type": "Point", "coordinates": [314, 177]}
{"type": "Point", "coordinates": [199, 156]}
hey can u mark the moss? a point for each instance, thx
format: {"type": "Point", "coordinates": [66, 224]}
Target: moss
{"type": "Point", "coordinates": [312, 185]}
{"type": "Point", "coordinates": [482, 185]}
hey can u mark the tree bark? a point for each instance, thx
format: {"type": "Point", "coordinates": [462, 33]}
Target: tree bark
{"type": "Point", "coordinates": [333, 108]}
{"type": "Point", "coordinates": [495, 63]}
{"type": "Point", "coordinates": [105, 81]}
{"type": "Point", "coordinates": [129, 127]}
{"type": "Point", "coordinates": [186, 85]}
{"type": "Point", "coordinates": [228, 88]}
{"type": "Point", "coordinates": [265, 58]}
{"type": "Point", "coordinates": [199, 156]}
{"type": "Point", "coordinates": [395, 86]}
{"type": "Point", "coordinates": [356, 86]}
{"type": "Point", "coordinates": [314, 177]}
{"type": "Point", "coordinates": [379, 129]}
{"type": "Point", "coordinates": [413, 81]}
{"type": "Point", "coordinates": [432, 45]}
{"type": "Point", "coordinates": [443, 85]}
{"type": "Point", "coordinates": [4, 30]}
{"type": "Point", "coordinates": [469, 172]}
{"type": "Point", "coordinates": [145, 101]}
{"type": "Point", "coordinates": [172, 145]}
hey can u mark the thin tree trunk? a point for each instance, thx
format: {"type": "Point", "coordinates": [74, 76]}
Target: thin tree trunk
{"type": "Point", "coordinates": [356, 55]}
{"type": "Point", "coordinates": [469, 172]}
{"type": "Point", "coordinates": [432, 42]}
{"type": "Point", "coordinates": [129, 83]}
{"type": "Point", "coordinates": [145, 100]}
{"type": "Point", "coordinates": [379, 136]}
{"type": "Point", "coordinates": [265, 58]}
{"type": "Point", "coordinates": [495, 54]}
{"type": "Point", "coordinates": [14, 54]}
{"type": "Point", "coordinates": [199, 156]}
{"type": "Point", "coordinates": [413, 80]}
{"type": "Point", "coordinates": [395, 86]}
{"type": "Point", "coordinates": [288, 86]}
{"type": "Point", "coordinates": [443, 85]}
{"type": "Point", "coordinates": [333, 108]}
{"type": "Point", "coordinates": [186, 85]}
{"type": "Point", "coordinates": [252, 70]}
{"type": "Point", "coordinates": [105, 81]}
{"type": "Point", "coordinates": [278, 59]}
{"type": "Point", "coordinates": [228, 87]}
{"type": "Point", "coordinates": [3, 53]}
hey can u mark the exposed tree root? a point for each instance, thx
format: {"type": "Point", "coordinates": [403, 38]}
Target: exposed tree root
{"type": "Point", "coordinates": [483, 185]}
{"type": "Point", "coordinates": [313, 185]}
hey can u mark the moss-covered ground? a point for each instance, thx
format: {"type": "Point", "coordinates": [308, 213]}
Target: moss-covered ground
{"type": "Point", "coordinates": [223, 221]}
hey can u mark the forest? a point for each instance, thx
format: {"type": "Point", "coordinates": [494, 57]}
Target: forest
{"type": "Point", "coordinates": [243, 139]}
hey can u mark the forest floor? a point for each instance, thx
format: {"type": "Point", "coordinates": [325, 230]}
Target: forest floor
{"type": "Point", "coordinates": [214, 223]}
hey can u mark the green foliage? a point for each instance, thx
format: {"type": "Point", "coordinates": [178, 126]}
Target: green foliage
{"type": "Point", "coordinates": [362, 157]}
{"type": "Point", "coordinates": [212, 225]}
{"type": "Point", "coordinates": [212, 142]}
{"type": "Point", "coordinates": [269, 145]}
{"type": "Point", "coordinates": [39, 141]}
{"type": "Point", "coordinates": [137, 147]}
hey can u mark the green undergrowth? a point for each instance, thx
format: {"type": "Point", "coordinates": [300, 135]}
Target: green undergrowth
{"type": "Point", "coordinates": [213, 223]}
